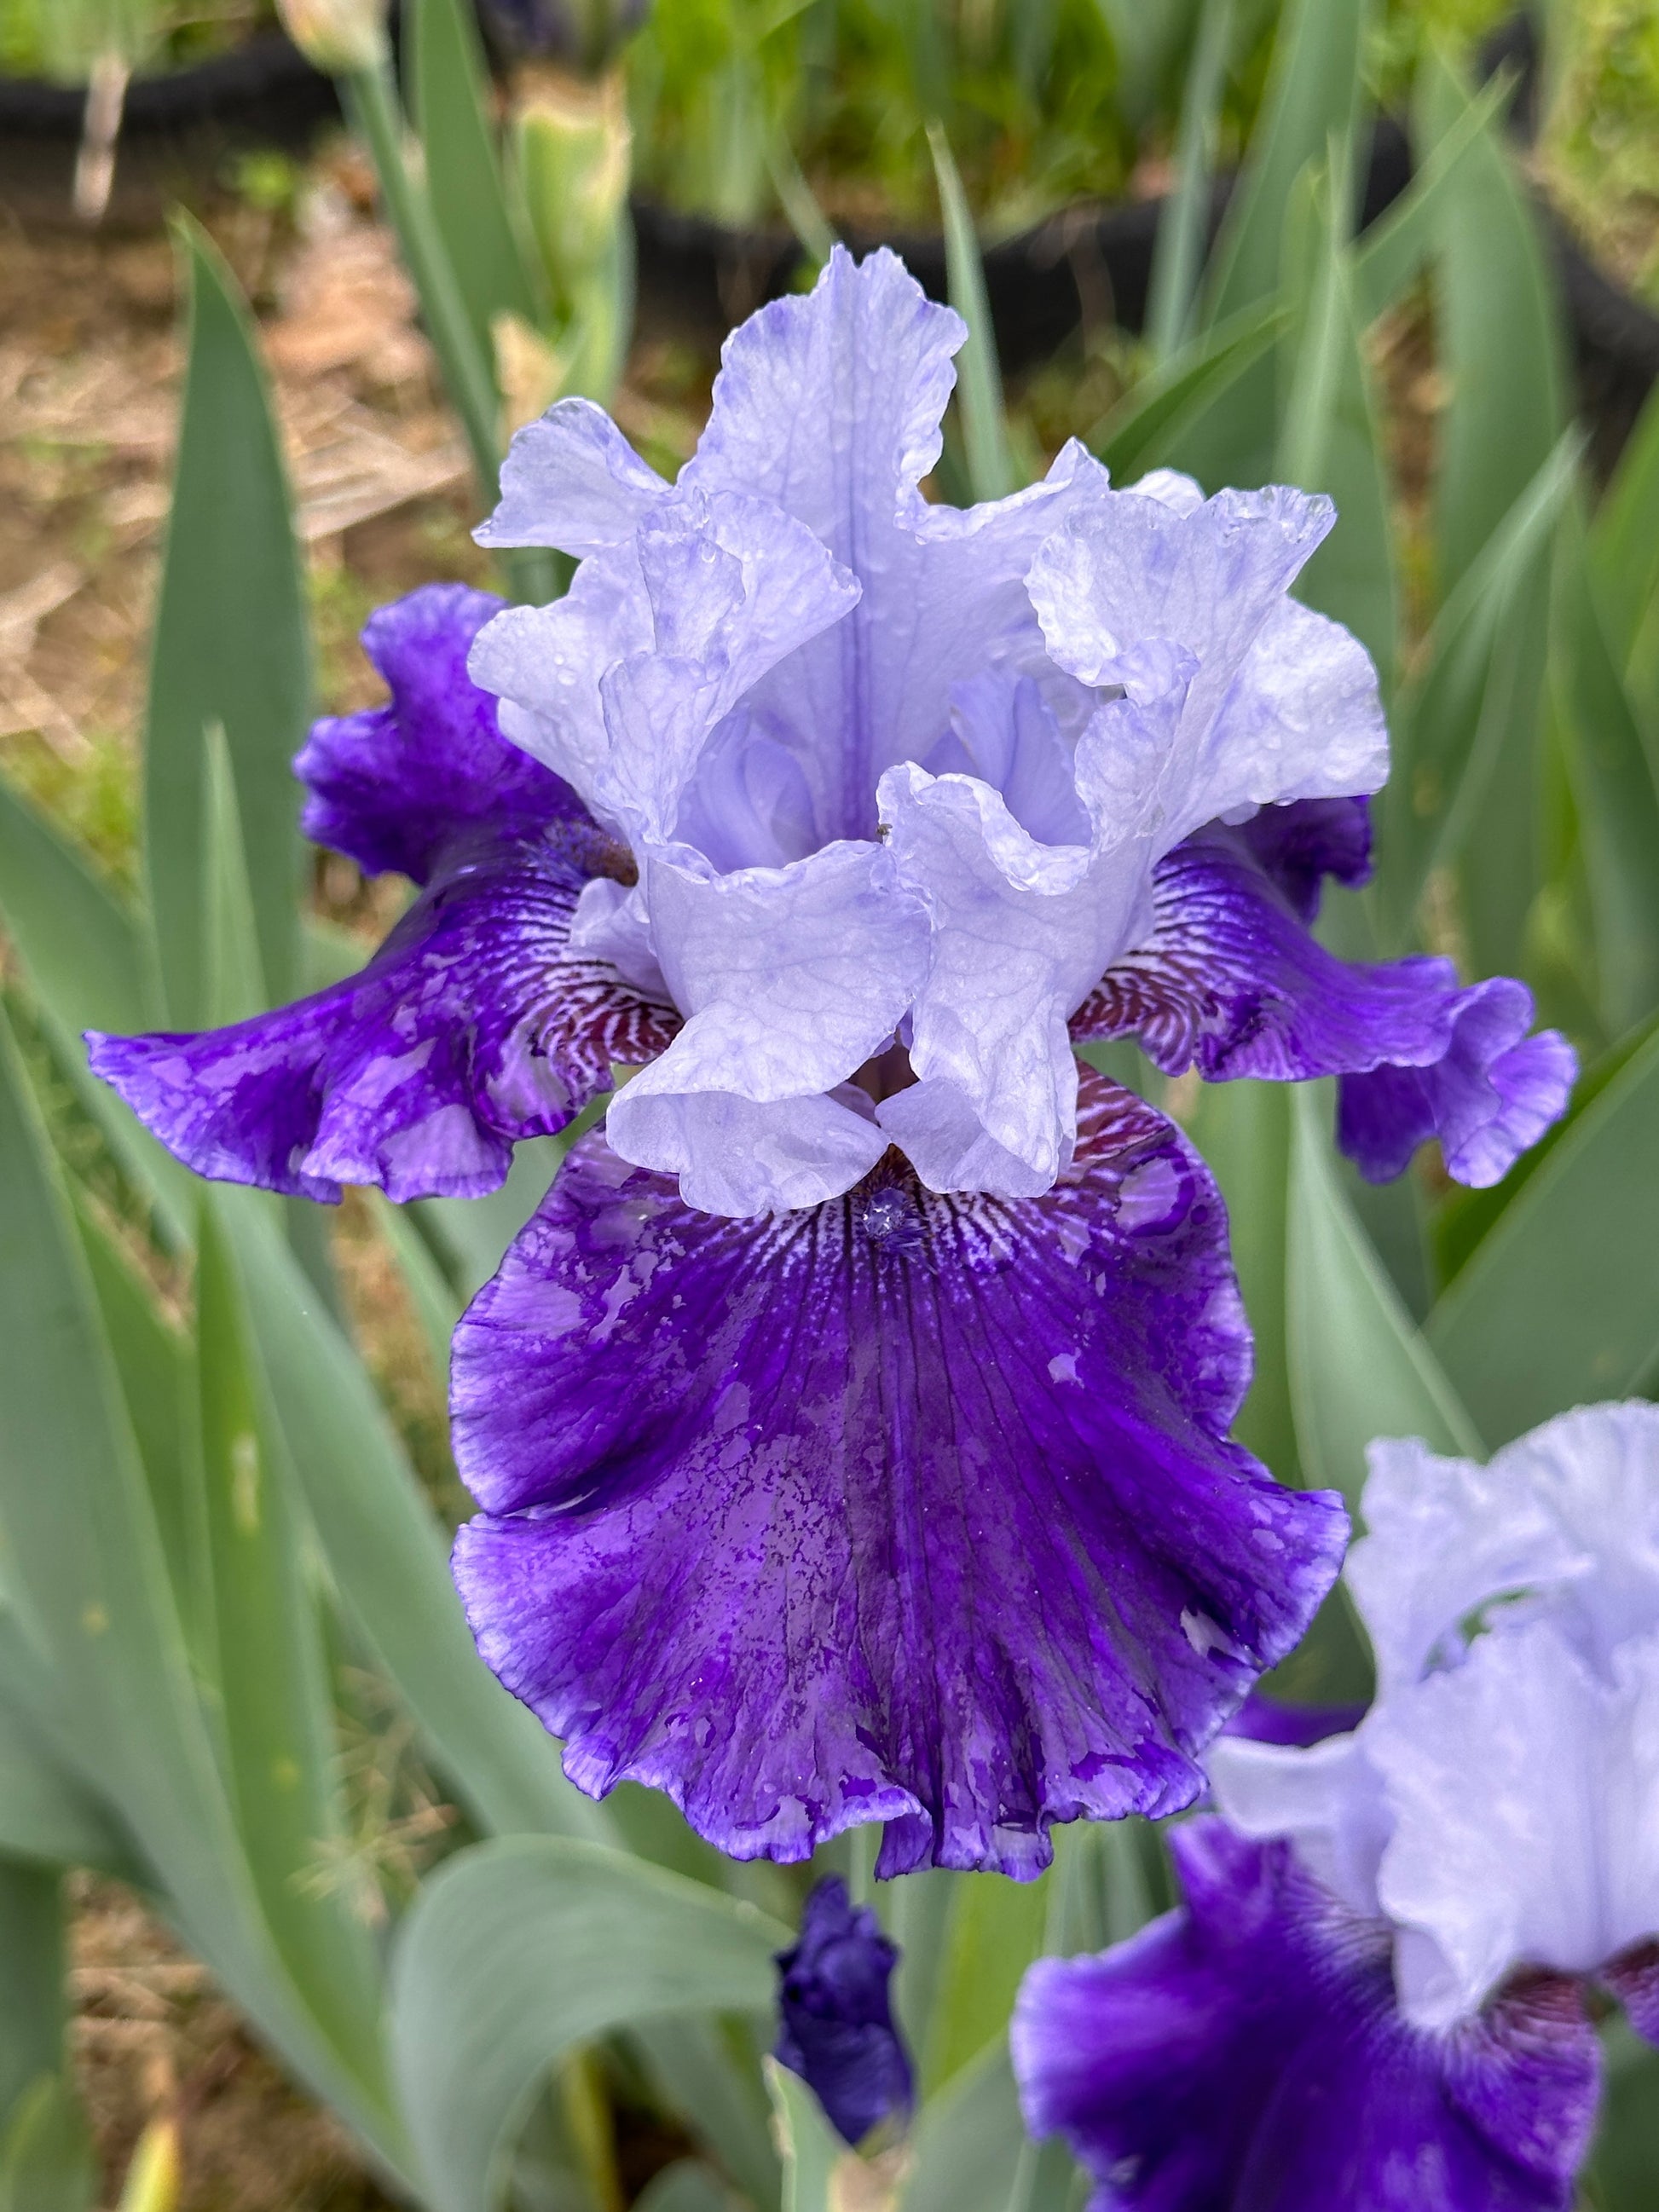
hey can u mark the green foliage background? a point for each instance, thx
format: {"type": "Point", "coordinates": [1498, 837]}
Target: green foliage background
{"type": "Point", "coordinates": [219, 1570]}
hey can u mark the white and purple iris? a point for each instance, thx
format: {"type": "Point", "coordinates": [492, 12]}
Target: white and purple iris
{"type": "Point", "coordinates": [1375, 1995]}
{"type": "Point", "coordinates": [850, 1424]}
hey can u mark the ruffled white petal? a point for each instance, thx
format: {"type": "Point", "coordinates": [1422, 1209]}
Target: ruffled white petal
{"type": "Point", "coordinates": [734, 586]}
{"type": "Point", "coordinates": [1279, 704]}
{"type": "Point", "coordinates": [1326, 1796]}
{"type": "Point", "coordinates": [1565, 1520]}
{"type": "Point", "coordinates": [1136, 568]}
{"type": "Point", "coordinates": [736, 1157]}
{"type": "Point", "coordinates": [1003, 732]}
{"type": "Point", "coordinates": [1445, 1538]}
{"type": "Point", "coordinates": [1180, 493]}
{"type": "Point", "coordinates": [619, 686]}
{"type": "Point", "coordinates": [572, 480]}
{"type": "Point", "coordinates": [1501, 1798]}
{"type": "Point", "coordinates": [546, 664]}
{"type": "Point", "coordinates": [744, 659]}
{"type": "Point", "coordinates": [1525, 1791]}
{"type": "Point", "coordinates": [1301, 720]}
{"type": "Point", "coordinates": [790, 978]}
{"type": "Point", "coordinates": [830, 405]}
{"type": "Point", "coordinates": [941, 1132]}
{"type": "Point", "coordinates": [1596, 1470]}
{"type": "Point", "coordinates": [1019, 931]}
{"type": "Point", "coordinates": [611, 923]}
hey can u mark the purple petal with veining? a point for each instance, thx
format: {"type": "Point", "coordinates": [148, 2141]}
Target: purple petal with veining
{"type": "Point", "coordinates": [1245, 2055]}
{"type": "Point", "coordinates": [903, 1508]}
{"type": "Point", "coordinates": [473, 1027]}
{"type": "Point", "coordinates": [392, 786]}
{"type": "Point", "coordinates": [1633, 1979]}
{"type": "Point", "coordinates": [1299, 844]}
{"type": "Point", "coordinates": [1232, 982]}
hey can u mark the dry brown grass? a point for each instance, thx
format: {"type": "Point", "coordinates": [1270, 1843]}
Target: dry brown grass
{"type": "Point", "coordinates": [152, 2034]}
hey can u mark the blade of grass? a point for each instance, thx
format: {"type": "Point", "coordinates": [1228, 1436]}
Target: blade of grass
{"type": "Point", "coordinates": [1392, 251]}
{"type": "Point", "coordinates": [1498, 320]}
{"type": "Point", "coordinates": [85, 952]}
{"type": "Point", "coordinates": [1243, 1132]}
{"type": "Point", "coordinates": [1613, 781]}
{"type": "Point", "coordinates": [157, 1375]}
{"type": "Point", "coordinates": [463, 178]}
{"type": "Point", "coordinates": [1329, 441]}
{"type": "Point", "coordinates": [518, 1951]}
{"type": "Point", "coordinates": [1624, 539]}
{"type": "Point", "coordinates": [1183, 227]}
{"type": "Point", "coordinates": [33, 1971]}
{"type": "Point", "coordinates": [1313, 92]}
{"type": "Point", "coordinates": [1149, 427]}
{"type": "Point", "coordinates": [1359, 1369]}
{"type": "Point", "coordinates": [48, 2161]}
{"type": "Point", "coordinates": [90, 964]}
{"type": "Point", "coordinates": [387, 1555]}
{"type": "Point", "coordinates": [995, 1931]}
{"type": "Point", "coordinates": [90, 1582]}
{"type": "Point", "coordinates": [812, 227]}
{"type": "Point", "coordinates": [231, 648]}
{"type": "Point", "coordinates": [968, 2143]}
{"type": "Point", "coordinates": [48, 1814]}
{"type": "Point", "coordinates": [232, 974]}
{"type": "Point", "coordinates": [1467, 708]}
{"type": "Point", "coordinates": [376, 112]}
{"type": "Point", "coordinates": [1559, 1304]}
{"type": "Point", "coordinates": [811, 2149]}
{"type": "Point", "coordinates": [276, 1710]}
{"type": "Point", "coordinates": [979, 380]}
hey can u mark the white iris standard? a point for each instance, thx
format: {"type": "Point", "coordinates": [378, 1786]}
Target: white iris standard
{"type": "Point", "coordinates": [1500, 1803]}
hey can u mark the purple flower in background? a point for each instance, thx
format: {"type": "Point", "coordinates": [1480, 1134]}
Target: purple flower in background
{"type": "Point", "coordinates": [850, 1424]}
{"type": "Point", "coordinates": [584, 31]}
{"type": "Point", "coordinates": [1374, 1996]}
{"type": "Point", "coordinates": [836, 2025]}
{"type": "Point", "coordinates": [476, 1023]}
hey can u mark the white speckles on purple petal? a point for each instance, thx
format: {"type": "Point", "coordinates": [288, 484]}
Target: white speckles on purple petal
{"type": "Point", "coordinates": [817, 1540]}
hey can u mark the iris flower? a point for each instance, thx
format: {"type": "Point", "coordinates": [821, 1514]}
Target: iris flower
{"type": "Point", "coordinates": [1375, 1994]}
{"type": "Point", "coordinates": [850, 1424]}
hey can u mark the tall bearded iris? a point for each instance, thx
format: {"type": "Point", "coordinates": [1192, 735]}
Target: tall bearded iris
{"type": "Point", "coordinates": [850, 1424]}
{"type": "Point", "coordinates": [1375, 1995]}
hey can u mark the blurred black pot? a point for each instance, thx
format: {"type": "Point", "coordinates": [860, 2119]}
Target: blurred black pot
{"type": "Point", "coordinates": [1615, 335]}
{"type": "Point", "coordinates": [264, 88]}
{"type": "Point", "coordinates": [1092, 265]}
{"type": "Point", "coordinates": [1088, 265]}
{"type": "Point", "coordinates": [173, 125]}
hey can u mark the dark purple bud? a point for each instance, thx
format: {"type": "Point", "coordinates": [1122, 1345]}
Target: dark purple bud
{"type": "Point", "coordinates": [584, 32]}
{"type": "Point", "coordinates": [837, 2029]}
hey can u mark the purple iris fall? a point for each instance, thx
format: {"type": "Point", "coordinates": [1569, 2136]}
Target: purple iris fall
{"type": "Point", "coordinates": [1375, 1994]}
{"type": "Point", "coordinates": [835, 2017]}
{"type": "Point", "coordinates": [850, 1425]}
